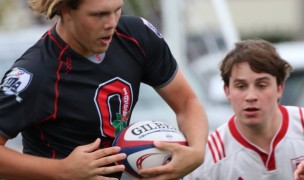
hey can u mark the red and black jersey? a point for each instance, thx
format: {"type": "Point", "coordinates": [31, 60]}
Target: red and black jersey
{"type": "Point", "coordinates": [59, 99]}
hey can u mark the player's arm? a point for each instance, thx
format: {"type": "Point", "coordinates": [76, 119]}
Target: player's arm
{"type": "Point", "coordinates": [14, 165]}
{"type": "Point", "coordinates": [192, 121]}
{"type": "Point", "coordinates": [85, 162]}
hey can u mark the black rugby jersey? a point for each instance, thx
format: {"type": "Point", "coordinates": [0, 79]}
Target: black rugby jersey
{"type": "Point", "coordinates": [59, 99]}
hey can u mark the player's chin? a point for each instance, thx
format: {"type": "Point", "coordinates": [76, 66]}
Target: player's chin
{"type": "Point", "coordinates": [100, 49]}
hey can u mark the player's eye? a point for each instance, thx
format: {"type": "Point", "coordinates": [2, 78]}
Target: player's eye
{"type": "Point", "coordinates": [240, 86]}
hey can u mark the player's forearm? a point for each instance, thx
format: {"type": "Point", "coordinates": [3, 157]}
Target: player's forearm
{"type": "Point", "coordinates": [15, 165]}
{"type": "Point", "coordinates": [193, 123]}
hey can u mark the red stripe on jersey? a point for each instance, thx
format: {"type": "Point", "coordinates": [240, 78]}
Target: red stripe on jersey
{"type": "Point", "coordinates": [54, 115]}
{"type": "Point", "coordinates": [216, 146]}
{"type": "Point", "coordinates": [62, 52]}
{"type": "Point", "coordinates": [54, 39]}
{"type": "Point", "coordinates": [212, 152]}
{"type": "Point", "coordinates": [301, 116]}
{"type": "Point", "coordinates": [221, 142]}
{"type": "Point", "coordinates": [56, 90]}
{"type": "Point", "coordinates": [63, 49]}
{"type": "Point", "coordinates": [279, 137]}
{"type": "Point", "coordinates": [131, 39]}
{"type": "Point", "coordinates": [68, 63]}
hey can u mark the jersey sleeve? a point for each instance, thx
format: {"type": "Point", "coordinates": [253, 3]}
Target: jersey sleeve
{"type": "Point", "coordinates": [19, 97]}
{"type": "Point", "coordinates": [160, 66]}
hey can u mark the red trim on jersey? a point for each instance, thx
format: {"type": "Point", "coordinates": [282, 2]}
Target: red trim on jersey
{"type": "Point", "coordinates": [68, 61]}
{"type": "Point", "coordinates": [268, 160]}
{"type": "Point", "coordinates": [279, 137]}
{"type": "Point", "coordinates": [222, 144]}
{"type": "Point", "coordinates": [131, 39]}
{"type": "Point", "coordinates": [301, 116]}
{"type": "Point", "coordinates": [212, 152]}
{"type": "Point", "coordinates": [62, 52]}
{"type": "Point", "coordinates": [54, 39]}
{"type": "Point", "coordinates": [54, 115]}
{"type": "Point", "coordinates": [43, 37]}
{"type": "Point", "coordinates": [216, 146]}
{"type": "Point", "coordinates": [56, 90]}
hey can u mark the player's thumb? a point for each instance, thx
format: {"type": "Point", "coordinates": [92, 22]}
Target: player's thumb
{"type": "Point", "coordinates": [169, 146]}
{"type": "Point", "coordinates": [92, 146]}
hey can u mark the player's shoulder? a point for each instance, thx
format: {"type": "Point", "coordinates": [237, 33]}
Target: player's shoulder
{"type": "Point", "coordinates": [125, 19]}
{"type": "Point", "coordinates": [220, 137]}
{"type": "Point", "coordinates": [295, 117]}
{"type": "Point", "coordinates": [222, 143]}
{"type": "Point", "coordinates": [293, 113]}
{"type": "Point", "coordinates": [220, 132]}
{"type": "Point", "coordinates": [33, 57]}
{"type": "Point", "coordinates": [34, 65]}
{"type": "Point", "coordinates": [292, 109]}
{"type": "Point", "coordinates": [135, 25]}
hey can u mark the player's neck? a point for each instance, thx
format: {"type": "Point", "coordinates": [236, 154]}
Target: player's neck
{"type": "Point", "coordinates": [262, 135]}
{"type": "Point", "coordinates": [64, 33]}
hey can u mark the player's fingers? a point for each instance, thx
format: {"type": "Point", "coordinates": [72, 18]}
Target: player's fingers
{"type": "Point", "coordinates": [90, 147]}
{"type": "Point", "coordinates": [106, 152]}
{"type": "Point", "coordinates": [155, 171]}
{"type": "Point", "coordinates": [166, 145]}
{"type": "Point", "coordinates": [110, 159]}
{"type": "Point", "coordinates": [109, 169]}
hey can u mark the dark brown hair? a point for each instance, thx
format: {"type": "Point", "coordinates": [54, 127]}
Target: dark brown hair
{"type": "Point", "coordinates": [261, 57]}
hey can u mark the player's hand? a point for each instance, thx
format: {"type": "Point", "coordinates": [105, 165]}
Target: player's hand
{"type": "Point", "coordinates": [299, 172]}
{"type": "Point", "coordinates": [88, 162]}
{"type": "Point", "coordinates": [184, 160]}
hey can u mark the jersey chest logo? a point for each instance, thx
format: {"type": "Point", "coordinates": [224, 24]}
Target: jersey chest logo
{"type": "Point", "coordinates": [114, 100]}
{"type": "Point", "coordinates": [16, 81]}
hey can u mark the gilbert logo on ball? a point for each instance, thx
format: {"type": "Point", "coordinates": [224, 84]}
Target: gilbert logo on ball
{"type": "Point", "coordinates": [137, 139]}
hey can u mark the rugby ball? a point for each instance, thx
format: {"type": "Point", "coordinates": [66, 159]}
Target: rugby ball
{"type": "Point", "coordinates": [136, 141]}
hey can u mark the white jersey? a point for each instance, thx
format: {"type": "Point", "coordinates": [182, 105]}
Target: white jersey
{"type": "Point", "coordinates": [230, 156]}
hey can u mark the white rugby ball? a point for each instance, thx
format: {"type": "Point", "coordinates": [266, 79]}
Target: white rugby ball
{"type": "Point", "coordinates": [136, 141]}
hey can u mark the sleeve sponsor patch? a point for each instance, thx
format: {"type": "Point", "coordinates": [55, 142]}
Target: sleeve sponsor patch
{"type": "Point", "coordinates": [152, 27]}
{"type": "Point", "coordinates": [16, 81]}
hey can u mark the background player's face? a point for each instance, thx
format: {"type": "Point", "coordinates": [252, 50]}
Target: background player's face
{"type": "Point", "coordinates": [89, 29]}
{"type": "Point", "coordinates": [253, 96]}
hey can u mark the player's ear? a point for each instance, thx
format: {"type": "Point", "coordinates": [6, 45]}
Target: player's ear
{"type": "Point", "coordinates": [227, 92]}
{"type": "Point", "coordinates": [65, 11]}
{"type": "Point", "coordinates": [280, 90]}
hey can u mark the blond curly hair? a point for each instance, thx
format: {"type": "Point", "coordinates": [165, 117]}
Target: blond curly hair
{"type": "Point", "coordinates": [51, 8]}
